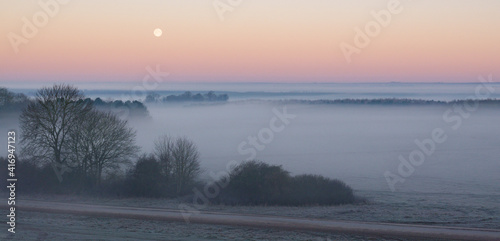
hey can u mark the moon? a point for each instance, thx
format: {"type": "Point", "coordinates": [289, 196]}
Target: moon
{"type": "Point", "coordinates": [158, 32]}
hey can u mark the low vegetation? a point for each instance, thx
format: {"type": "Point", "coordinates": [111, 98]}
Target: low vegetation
{"type": "Point", "coordinates": [258, 183]}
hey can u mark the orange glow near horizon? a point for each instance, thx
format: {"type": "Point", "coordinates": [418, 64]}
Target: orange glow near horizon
{"type": "Point", "coordinates": [259, 41]}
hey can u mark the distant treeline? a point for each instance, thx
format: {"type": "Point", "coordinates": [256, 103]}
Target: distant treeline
{"type": "Point", "coordinates": [186, 96]}
{"type": "Point", "coordinates": [259, 183]}
{"type": "Point", "coordinates": [390, 101]}
{"type": "Point", "coordinates": [133, 109]}
{"type": "Point", "coordinates": [14, 103]}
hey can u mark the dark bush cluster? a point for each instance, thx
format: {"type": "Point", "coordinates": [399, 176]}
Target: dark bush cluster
{"type": "Point", "coordinates": [144, 179]}
{"type": "Point", "coordinates": [318, 190]}
{"type": "Point", "coordinates": [147, 179]}
{"type": "Point", "coordinates": [258, 183]}
{"type": "Point", "coordinates": [170, 171]}
{"type": "Point", "coordinates": [42, 179]}
{"type": "Point", "coordinates": [251, 183]}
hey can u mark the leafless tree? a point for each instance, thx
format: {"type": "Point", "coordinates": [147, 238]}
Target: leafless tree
{"type": "Point", "coordinates": [47, 122]}
{"type": "Point", "coordinates": [103, 142]}
{"type": "Point", "coordinates": [179, 160]}
{"type": "Point", "coordinates": [186, 165]}
{"type": "Point", "coordinates": [163, 153]}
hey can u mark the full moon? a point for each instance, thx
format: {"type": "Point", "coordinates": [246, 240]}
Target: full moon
{"type": "Point", "coordinates": [157, 32]}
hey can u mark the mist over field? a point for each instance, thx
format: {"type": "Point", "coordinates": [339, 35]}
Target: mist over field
{"type": "Point", "coordinates": [354, 143]}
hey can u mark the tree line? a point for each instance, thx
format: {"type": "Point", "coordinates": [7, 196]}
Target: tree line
{"type": "Point", "coordinates": [187, 97]}
{"type": "Point", "coordinates": [391, 101]}
{"type": "Point", "coordinates": [12, 102]}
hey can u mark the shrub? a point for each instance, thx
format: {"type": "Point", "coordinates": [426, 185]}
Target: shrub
{"type": "Point", "coordinates": [145, 179]}
{"type": "Point", "coordinates": [255, 183]}
{"type": "Point", "coordinates": [258, 183]}
{"type": "Point", "coordinates": [318, 190]}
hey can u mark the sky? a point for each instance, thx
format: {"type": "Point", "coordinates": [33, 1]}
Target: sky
{"type": "Point", "coordinates": [287, 41]}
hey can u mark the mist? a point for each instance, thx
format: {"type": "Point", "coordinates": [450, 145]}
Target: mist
{"type": "Point", "coordinates": [354, 143]}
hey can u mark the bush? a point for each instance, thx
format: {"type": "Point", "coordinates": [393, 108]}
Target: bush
{"type": "Point", "coordinates": [255, 183]}
{"type": "Point", "coordinates": [258, 183]}
{"type": "Point", "coordinates": [145, 179]}
{"type": "Point", "coordinates": [318, 190]}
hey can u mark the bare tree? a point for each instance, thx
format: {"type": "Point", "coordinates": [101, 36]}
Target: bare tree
{"type": "Point", "coordinates": [186, 165]}
{"type": "Point", "coordinates": [47, 122]}
{"type": "Point", "coordinates": [179, 160]}
{"type": "Point", "coordinates": [103, 142]}
{"type": "Point", "coordinates": [163, 153]}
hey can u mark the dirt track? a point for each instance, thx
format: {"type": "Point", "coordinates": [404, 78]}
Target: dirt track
{"type": "Point", "coordinates": [216, 218]}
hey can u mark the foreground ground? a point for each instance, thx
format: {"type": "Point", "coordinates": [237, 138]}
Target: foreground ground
{"type": "Point", "coordinates": [48, 226]}
{"type": "Point", "coordinates": [37, 220]}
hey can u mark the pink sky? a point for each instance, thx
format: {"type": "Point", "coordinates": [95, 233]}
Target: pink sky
{"type": "Point", "coordinates": [258, 41]}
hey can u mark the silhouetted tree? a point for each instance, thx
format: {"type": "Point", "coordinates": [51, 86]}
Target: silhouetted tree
{"type": "Point", "coordinates": [145, 178]}
{"type": "Point", "coordinates": [5, 96]}
{"type": "Point", "coordinates": [185, 164]}
{"type": "Point", "coordinates": [12, 102]}
{"type": "Point", "coordinates": [102, 142]}
{"type": "Point", "coordinates": [47, 122]}
{"type": "Point", "coordinates": [211, 96]}
{"type": "Point", "coordinates": [198, 97]}
{"type": "Point", "coordinates": [152, 97]}
{"type": "Point", "coordinates": [163, 149]}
